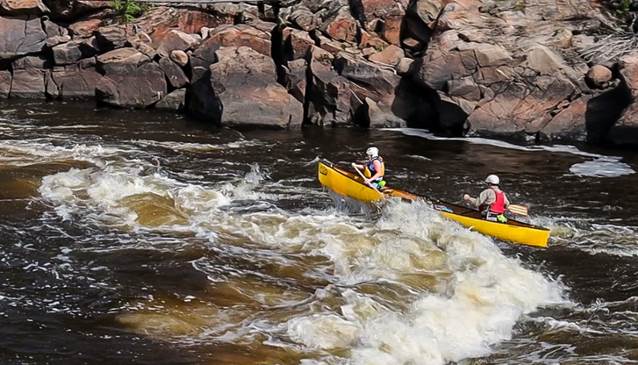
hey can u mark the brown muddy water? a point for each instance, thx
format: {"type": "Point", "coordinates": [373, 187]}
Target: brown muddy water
{"type": "Point", "coordinates": [142, 238]}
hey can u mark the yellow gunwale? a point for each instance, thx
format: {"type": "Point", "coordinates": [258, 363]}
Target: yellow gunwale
{"type": "Point", "coordinates": [348, 184]}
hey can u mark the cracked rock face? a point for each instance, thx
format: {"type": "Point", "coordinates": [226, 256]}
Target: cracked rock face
{"type": "Point", "coordinates": [244, 74]}
{"type": "Point", "coordinates": [21, 37]}
{"type": "Point", "coordinates": [477, 66]}
{"type": "Point", "coordinates": [509, 71]}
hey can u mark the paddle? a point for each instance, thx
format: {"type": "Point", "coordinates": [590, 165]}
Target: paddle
{"type": "Point", "coordinates": [364, 178]}
{"type": "Point", "coordinates": [517, 209]}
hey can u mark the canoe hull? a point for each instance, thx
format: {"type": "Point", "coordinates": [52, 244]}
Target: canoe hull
{"type": "Point", "coordinates": [346, 184]}
{"type": "Point", "coordinates": [350, 185]}
{"type": "Point", "coordinates": [531, 236]}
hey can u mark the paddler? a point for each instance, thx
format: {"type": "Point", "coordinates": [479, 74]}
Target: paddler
{"type": "Point", "coordinates": [373, 168]}
{"type": "Point", "coordinates": [492, 201]}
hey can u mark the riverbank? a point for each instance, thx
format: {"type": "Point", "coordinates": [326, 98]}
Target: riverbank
{"type": "Point", "coordinates": [509, 68]}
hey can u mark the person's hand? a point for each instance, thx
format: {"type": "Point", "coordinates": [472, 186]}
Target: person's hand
{"type": "Point", "coordinates": [354, 165]}
{"type": "Point", "coordinates": [366, 181]}
{"type": "Point", "coordinates": [466, 197]}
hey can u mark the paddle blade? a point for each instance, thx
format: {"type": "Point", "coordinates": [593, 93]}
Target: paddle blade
{"type": "Point", "coordinates": [517, 209]}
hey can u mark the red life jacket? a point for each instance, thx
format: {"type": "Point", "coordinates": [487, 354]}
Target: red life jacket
{"type": "Point", "coordinates": [498, 207]}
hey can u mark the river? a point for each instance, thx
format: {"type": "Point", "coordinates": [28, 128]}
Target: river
{"type": "Point", "coordinates": [144, 238]}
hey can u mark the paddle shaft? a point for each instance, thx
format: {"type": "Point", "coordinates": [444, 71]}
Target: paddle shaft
{"type": "Point", "coordinates": [364, 178]}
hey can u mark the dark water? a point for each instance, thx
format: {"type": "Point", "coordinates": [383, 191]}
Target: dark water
{"type": "Point", "coordinates": [137, 237]}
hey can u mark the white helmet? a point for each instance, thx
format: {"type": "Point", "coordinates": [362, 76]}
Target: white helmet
{"type": "Point", "coordinates": [492, 180]}
{"type": "Point", "coordinates": [372, 152]}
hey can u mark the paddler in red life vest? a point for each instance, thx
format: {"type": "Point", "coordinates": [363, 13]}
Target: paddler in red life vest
{"type": "Point", "coordinates": [492, 201]}
{"type": "Point", "coordinates": [373, 168]}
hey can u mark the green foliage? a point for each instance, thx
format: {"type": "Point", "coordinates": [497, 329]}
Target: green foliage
{"type": "Point", "coordinates": [127, 10]}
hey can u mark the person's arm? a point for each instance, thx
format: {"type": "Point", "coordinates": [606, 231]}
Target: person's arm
{"type": "Point", "coordinates": [482, 199]}
{"type": "Point", "coordinates": [377, 168]}
{"type": "Point", "coordinates": [507, 202]}
{"type": "Point", "coordinates": [470, 200]}
{"type": "Point", "coordinates": [488, 196]}
{"type": "Point", "coordinates": [357, 166]}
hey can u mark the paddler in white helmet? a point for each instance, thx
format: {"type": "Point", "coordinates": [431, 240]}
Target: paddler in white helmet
{"type": "Point", "coordinates": [373, 168]}
{"type": "Point", "coordinates": [492, 202]}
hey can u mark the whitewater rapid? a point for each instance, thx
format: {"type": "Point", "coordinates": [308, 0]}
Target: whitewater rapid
{"type": "Point", "coordinates": [408, 287]}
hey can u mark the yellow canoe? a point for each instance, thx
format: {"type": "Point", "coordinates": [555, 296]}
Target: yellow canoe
{"type": "Point", "coordinates": [348, 184]}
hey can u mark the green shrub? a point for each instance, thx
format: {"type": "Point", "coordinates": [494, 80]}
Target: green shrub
{"type": "Point", "coordinates": [127, 10]}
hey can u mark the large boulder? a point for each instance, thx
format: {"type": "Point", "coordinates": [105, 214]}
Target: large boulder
{"type": "Point", "coordinates": [377, 86]}
{"type": "Point", "coordinates": [544, 61]}
{"type": "Point", "coordinates": [130, 79]}
{"type": "Point", "coordinates": [378, 82]}
{"type": "Point", "coordinates": [385, 15]}
{"type": "Point", "coordinates": [347, 90]}
{"type": "Point", "coordinates": [177, 40]}
{"type": "Point", "coordinates": [201, 59]}
{"type": "Point", "coordinates": [179, 57]}
{"type": "Point", "coordinates": [427, 11]}
{"type": "Point", "coordinates": [160, 21]}
{"type": "Point", "coordinates": [331, 100]}
{"type": "Point", "coordinates": [342, 27]}
{"type": "Point", "coordinates": [73, 82]}
{"type": "Point", "coordinates": [517, 109]}
{"type": "Point", "coordinates": [174, 101]}
{"type": "Point", "coordinates": [121, 60]}
{"type": "Point", "coordinates": [440, 65]}
{"type": "Point", "coordinates": [569, 122]}
{"type": "Point", "coordinates": [389, 56]}
{"type": "Point", "coordinates": [305, 19]}
{"type": "Point", "coordinates": [243, 74]}
{"type": "Point", "coordinates": [85, 28]}
{"type": "Point", "coordinates": [295, 78]}
{"type": "Point", "coordinates": [174, 74]}
{"type": "Point", "coordinates": [111, 37]}
{"type": "Point", "coordinates": [598, 75]}
{"type": "Point", "coordinates": [20, 37]}
{"type": "Point", "coordinates": [70, 52]}
{"type": "Point", "coordinates": [53, 30]}
{"type": "Point", "coordinates": [22, 7]}
{"type": "Point", "coordinates": [243, 35]}
{"type": "Point", "coordinates": [55, 40]}
{"type": "Point", "coordinates": [29, 78]}
{"type": "Point", "coordinates": [628, 66]}
{"type": "Point", "coordinates": [296, 43]}
{"type": "Point", "coordinates": [68, 10]}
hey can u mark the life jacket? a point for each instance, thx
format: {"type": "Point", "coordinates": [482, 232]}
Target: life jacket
{"type": "Point", "coordinates": [371, 170]}
{"type": "Point", "coordinates": [498, 207]}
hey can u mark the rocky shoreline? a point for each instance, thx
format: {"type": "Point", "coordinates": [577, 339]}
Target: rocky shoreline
{"type": "Point", "coordinates": [537, 70]}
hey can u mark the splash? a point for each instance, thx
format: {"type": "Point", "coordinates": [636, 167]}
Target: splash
{"type": "Point", "coordinates": [474, 308]}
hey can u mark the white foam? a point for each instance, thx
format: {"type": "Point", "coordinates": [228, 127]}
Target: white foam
{"type": "Point", "coordinates": [25, 152]}
{"type": "Point", "coordinates": [595, 239]}
{"type": "Point", "coordinates": [419, 157]}
{"type": "Point", "coordinates": [197, 147]}
{"type": "Point", "coordinates": [323, 331]}
{"type": "Point", "coordinates": [601, 166]}
{"type": "Point", "coordinates": [477, 308]}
